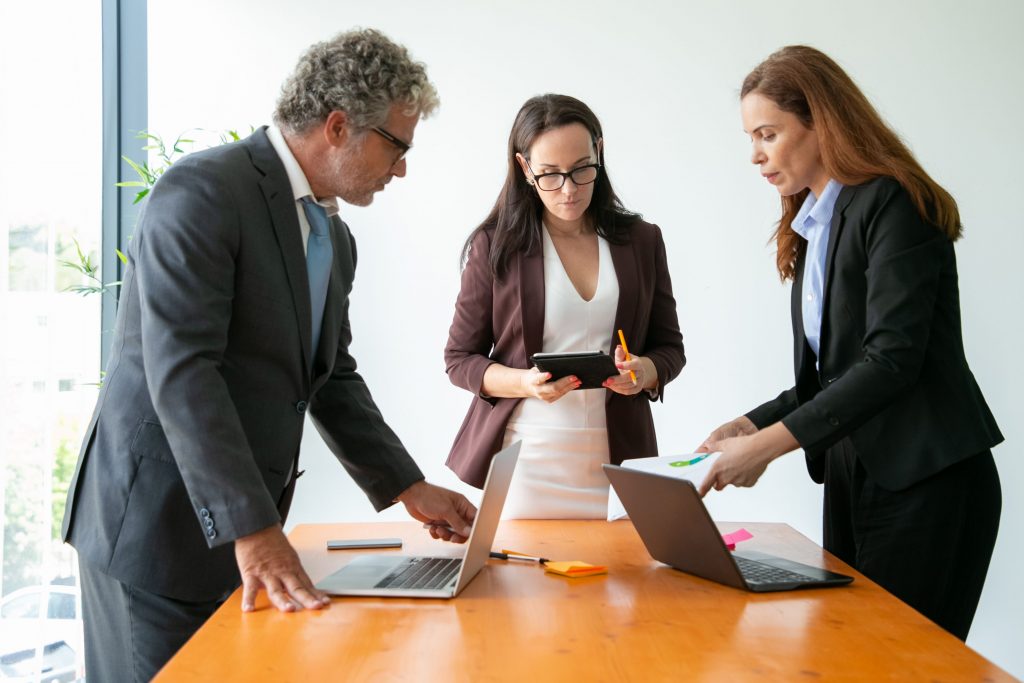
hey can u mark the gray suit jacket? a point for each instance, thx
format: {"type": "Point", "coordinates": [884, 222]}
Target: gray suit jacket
{"type": "Point", "coordinates": [195, 437]}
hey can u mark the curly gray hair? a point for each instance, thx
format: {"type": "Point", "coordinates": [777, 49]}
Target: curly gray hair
{"type": "Point", "coordinates": [360, 72]}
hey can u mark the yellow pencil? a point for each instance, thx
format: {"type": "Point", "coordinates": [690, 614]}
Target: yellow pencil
{"type": "Point", "coordinates": [622, 340]}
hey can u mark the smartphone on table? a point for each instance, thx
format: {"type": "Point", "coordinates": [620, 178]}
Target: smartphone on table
{"type": "Point", "coordinates": [355, 543]}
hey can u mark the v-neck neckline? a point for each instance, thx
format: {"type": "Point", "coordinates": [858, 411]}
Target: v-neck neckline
{"type": "Point", "coordinates": [548, 242]}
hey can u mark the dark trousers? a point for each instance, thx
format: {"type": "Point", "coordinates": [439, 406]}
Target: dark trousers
{"type": "Point", "coordinates": [131, 633]}
{"type": "Point", "coordinates": [929, 545]}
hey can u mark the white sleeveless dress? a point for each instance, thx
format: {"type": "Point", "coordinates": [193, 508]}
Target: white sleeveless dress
{"type": "Point", "coordinates": [559, 473]}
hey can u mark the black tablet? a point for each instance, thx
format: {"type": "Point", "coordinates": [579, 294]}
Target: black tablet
{"type": "Point", "coordinates": [591, 367]}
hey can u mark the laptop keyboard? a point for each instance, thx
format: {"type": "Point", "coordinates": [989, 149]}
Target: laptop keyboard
{"type": "Point", "coordinates": [758, 573]}
{"type": "Point", "coordinates": [422, 572]}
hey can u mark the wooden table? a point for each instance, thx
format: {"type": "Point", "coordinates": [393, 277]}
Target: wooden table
{"type": "Point", "coordinates": [642, 621]}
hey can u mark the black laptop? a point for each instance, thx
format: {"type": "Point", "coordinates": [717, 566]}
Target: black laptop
{"type": "Point", "coordinates": [677, 530]}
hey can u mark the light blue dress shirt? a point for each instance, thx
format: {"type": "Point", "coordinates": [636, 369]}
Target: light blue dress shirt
{"type": "Point", "coordinates": [813, 222]}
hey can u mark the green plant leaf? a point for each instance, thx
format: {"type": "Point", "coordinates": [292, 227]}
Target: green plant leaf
{"type": "Point", "coordinates": [142, 170]}
{"type": "Point", "coordinates": [120, 255]}
{"type": "Point", "coordinates": [74, 266]}
{"type": "Point", "coordinates": [84, 290]}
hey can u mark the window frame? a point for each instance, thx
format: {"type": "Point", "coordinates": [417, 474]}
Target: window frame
{"type": "Point", "coordinates": [125, 115]}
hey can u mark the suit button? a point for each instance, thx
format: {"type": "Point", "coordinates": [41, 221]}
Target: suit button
{"type": "Point", "coordinates": [300, 407]}
{"type": "Point", "coordinates": [834, 421]}
{"type": "Point", "coordinates": [208, 523]}
{"type": "Point", "coordinates": [211, 534]}
{"type": "Point", "coordinates": [204, 513]}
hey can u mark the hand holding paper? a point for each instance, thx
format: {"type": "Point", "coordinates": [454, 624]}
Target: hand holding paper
{"type": "Point", "coordinates": [741, 426]}
{"type": "Point", "coordinates": [743, 459]}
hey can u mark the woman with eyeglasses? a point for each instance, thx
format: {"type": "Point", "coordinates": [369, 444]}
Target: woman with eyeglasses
{"type": "Point", "coordinates": [559, 265]}
{"type": "Point", "coordinates": [885, 407]}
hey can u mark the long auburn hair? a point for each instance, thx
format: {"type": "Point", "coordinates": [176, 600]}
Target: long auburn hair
{"type": "Point", "coordinates": [516, 216]}
{"type": "Point", "coordinates": [856, 144]}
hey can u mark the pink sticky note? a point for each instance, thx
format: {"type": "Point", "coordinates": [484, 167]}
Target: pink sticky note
{"type": "Point", "coordinates": [735, 537]}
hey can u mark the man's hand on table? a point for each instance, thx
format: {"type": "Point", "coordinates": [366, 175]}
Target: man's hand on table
{"type": "Point", "coordinates": [267, 560]}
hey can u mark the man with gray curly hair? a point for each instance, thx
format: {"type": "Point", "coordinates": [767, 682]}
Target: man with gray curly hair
{"type": "Point", "coordinates": [356, 85]}
{"type": "Point", "coordinates": [361, 73]}
{"type": "Point", "coordinates": [232, 325]}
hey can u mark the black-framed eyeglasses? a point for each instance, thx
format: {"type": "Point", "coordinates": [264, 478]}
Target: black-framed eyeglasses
{"type": "Point", "coordinates": [581, 175]}
{"type": "Point", "coordinates": [403, 147]}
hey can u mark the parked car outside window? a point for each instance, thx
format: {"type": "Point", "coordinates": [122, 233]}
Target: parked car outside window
{"type": "Point", "coordinates": [41, 635]}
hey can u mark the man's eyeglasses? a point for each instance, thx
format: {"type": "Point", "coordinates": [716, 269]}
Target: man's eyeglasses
{"type": "Point", "coordinates": [403, 147]}
{"type": "Point", "coordinates": [549, 182]}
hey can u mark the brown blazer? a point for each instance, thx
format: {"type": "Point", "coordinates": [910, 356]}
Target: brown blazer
{"type": "Point", "coordinates": [502, 321]}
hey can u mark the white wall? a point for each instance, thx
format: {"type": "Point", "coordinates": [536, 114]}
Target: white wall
{"type": "Point", "coordinates": [663, 77]}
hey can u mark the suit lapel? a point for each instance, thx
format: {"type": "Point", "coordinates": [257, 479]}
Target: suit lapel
{"type": "Point", "coordinates": [626, 272]}
{"type": "Point", "coordinates": [835, 229]}
{"type": "Point", "coordinates": [796, 310]}
{"type": "Point", "coordinates": [278, 194]}
{"type": "Point", "coordinates": [531, 297]}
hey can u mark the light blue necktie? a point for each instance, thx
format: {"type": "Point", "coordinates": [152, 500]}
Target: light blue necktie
{"type": "Point", "coordinates": [319, 255]}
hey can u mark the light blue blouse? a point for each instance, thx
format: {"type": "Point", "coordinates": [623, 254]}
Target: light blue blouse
{"type": "Point", "coordinates": [813, 222]}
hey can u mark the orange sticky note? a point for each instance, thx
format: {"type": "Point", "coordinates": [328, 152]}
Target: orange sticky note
{"type": "Point", "coordinates": [574, 568]}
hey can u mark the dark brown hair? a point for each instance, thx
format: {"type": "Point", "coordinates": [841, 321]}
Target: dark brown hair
{"type": "Point", "coordinates": [856, 144]}
{"type": "Point", "coordinates": [516, 216]}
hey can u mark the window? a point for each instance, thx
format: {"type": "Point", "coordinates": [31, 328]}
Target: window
{"type": "Point", "coordinates": [51, 137]}
{"type": "Point", "coordinates": [61, 606]}
{"type": "Point", "coordinates": [24, 607]}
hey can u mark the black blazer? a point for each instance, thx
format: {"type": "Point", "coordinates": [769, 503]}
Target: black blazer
{"type": "Point", "coordinates": [893, 376]}
{"type": "Point", "coordinates": [195, 436]}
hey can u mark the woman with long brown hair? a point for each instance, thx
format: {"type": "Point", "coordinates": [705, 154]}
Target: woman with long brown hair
{"type": "Point", "coordinates": [884, 405]}
{"type": "Point", "coordinates": [558, 266]}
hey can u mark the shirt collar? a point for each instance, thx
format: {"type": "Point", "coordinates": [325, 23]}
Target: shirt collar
{"type": "Point", "coordinates": [817, 211]}
{"type": "Point", "coordinates": [296, 178]}
{"type": "Point", "coordinates": [823, 208]}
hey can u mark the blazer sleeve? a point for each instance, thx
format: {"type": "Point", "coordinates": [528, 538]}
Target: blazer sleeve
{"type": "Point", "coordinates": [904, 257]}
{"type": "Point", "coordinates": [770, 412]}
{"type": "Point", "coordinates": [471, 335]}
{"type": "Point", "coordinates": [664, 339]}
{"type": "Point", "coordinates": [348, 419]}
{"type": "Point", "coordinates": [185, 250]}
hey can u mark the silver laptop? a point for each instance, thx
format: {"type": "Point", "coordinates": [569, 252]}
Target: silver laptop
{"type": "Point", "coordinates": [677, 530]}
{"type": "Point", "coordinates": [405, 576]}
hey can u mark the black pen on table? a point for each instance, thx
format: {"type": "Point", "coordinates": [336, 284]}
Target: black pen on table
{"type": "Point", "coordinates": [504, 555]}
{"type": "Point", "coordinates": [510, 555]}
